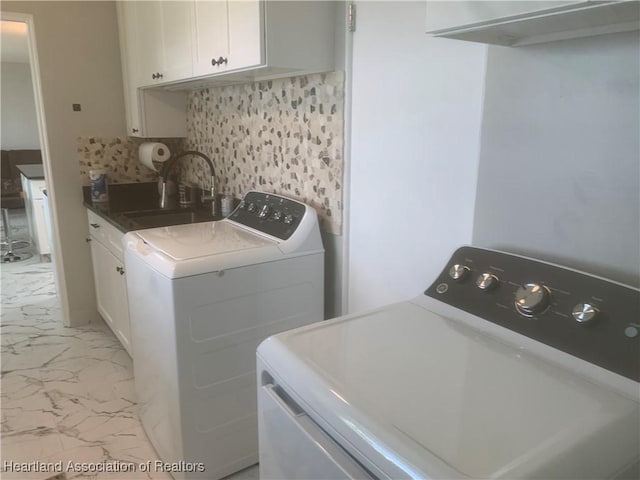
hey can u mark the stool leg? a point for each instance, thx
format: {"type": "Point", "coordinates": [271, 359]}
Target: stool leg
{"type": "Point", "coordinates": [9, 256]}
{"type": "Point", "coordinates": [5, 227]}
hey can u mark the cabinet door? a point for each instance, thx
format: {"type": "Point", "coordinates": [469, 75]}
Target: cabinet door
{"type": "Point", "coordinates": [164, 41]}
{"type": "Point", "coordinates": [246, 34]}
{"type": "Point", "coordinates": [121, 323]}
{"type": "Point", "coordinates": [150, 112]}
{"type": "Point", "coordinates": [211, 36]}
{"type": "Point", "coordinates": [28, 206]}
{"type": "Point", "coordinates": [102, 277]}
{"type": "Point", "coordinates": [111, 292]}
{"type": "Point", "coordinates": [42, 236]}
{"type": "Point", "coordinates": [129, 48]}
{"type": "Point", "coordinates": [176, 52]}
{"type": "Point", "coordinates": [148, 42]}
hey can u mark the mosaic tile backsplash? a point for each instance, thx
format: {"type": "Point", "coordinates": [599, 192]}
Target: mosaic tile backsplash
{"type": "Point", "coordinates": [118, 156]}
{"type": "Point", "coordinates": [283, 136]}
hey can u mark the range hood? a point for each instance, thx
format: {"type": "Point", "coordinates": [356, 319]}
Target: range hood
{"type": "Point", "coordinates": [523, 23]}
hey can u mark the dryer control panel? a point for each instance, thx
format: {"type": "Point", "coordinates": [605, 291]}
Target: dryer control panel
{"type": "Point", "coordinates": [269, 213]}
{"type": "Point", "coordinates": [586, 316]}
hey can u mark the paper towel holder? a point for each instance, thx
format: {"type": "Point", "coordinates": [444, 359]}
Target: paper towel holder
{"type": "Point", "coordinates": [150, 154]}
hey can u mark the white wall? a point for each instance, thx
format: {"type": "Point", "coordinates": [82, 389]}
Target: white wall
{"type": "Point", "coordinates": [18, 125]}
{"type": "Point", "coordinates": [559, 171]}
{"type": "Point", "coordinates": [415, 144]}
{"type": "Point", "coordinates": [79, 62]}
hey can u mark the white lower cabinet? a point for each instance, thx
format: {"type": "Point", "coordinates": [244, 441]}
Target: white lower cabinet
{"type": "Point", "coordinates": [34, 208]}
{"type": "Point", "coordinates": [109, 275]}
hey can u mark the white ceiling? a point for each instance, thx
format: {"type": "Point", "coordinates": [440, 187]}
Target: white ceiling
{"type": "Point", "coordinates": [13, 42]}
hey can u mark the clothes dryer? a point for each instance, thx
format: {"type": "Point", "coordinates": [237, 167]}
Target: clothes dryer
{"type": "Point", "coordinates": [506, 367]}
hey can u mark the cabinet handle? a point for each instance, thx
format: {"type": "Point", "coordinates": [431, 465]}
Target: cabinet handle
{"type": "Point", "coordinates": [134, 130]}
{"type": "Point", "coordinates": [95, 225]}
{"type": "Point", "coordinates": [214, 62]}
{"type": "Point", "coordinates": [120, 270]}
{"type": "Point", "coordinates": [156, 75]}
{"type": "Point", "coordinates": [222, 60]}
{"type": "Point", "coordinates": [88, 239]}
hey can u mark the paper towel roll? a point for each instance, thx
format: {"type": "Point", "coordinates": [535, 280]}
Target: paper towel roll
{"type": "Point", "coordinates": [150, 152]}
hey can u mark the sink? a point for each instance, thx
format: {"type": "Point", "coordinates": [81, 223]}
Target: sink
{"type": "Point", "coordinates": [159, 212]}
{"type": "Point", "coordinates": [165, 217]}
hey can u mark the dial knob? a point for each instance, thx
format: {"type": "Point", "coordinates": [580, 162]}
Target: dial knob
{"type": "Point", "coordinates": [264, 211]}
{"type": "Point", "coordinates": [277, 215]}
{"type": "Point", "coordinates": [458, 272]}
{"type": "Point", "coordinates": [584, 313]}
{"type": "Point", "coordinates": [289, 219]}
{"type": "Point", "coordinates": [251, 207]}
{"type": "Point", "coordinates": [531, 298]}
{"type": "Point", "coordinates": [486, 281]}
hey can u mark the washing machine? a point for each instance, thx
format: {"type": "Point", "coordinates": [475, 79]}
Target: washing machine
{"type": "Point", "coordinates": [202, 297]}
{"type": "Point", "coordinates": [506, 367]}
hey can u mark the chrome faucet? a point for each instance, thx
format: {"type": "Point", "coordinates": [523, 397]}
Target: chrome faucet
{"type": "Point", "coordinates": [169, 164]}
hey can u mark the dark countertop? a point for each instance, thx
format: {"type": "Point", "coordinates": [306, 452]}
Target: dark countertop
{"type": "Point", "coordinates": [32, 172]}
{"type": "Point", "coordinates": [135, 206]}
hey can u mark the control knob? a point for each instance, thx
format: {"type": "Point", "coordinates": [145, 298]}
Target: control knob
{"type": "Point", "coordinates": [458, 272]}
{"type": "Point", "coordinates": [277, 215]}
{"type": "Point", "coordinates": [531, 298]}
{"type": "Point", "coordinates": [486, 281]}
{"type": "Point", "coordinates": [289, 219]}
{"type": "Point", "coordinates": [584, 313]}
{"type": "Point", "coordinates": [251, 207]}
{"type": "Point", "coordinates": [264, 211]}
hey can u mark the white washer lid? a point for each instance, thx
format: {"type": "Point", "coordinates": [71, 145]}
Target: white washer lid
{"type": "Point", "coordinates": [423, 396]}
{"type": "Point", "coordinates": [184, 242]}
{"type": "Point", "coordinates": [198, 248]}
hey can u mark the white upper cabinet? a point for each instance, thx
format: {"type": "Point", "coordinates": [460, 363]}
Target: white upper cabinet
{"type": "Point", "coordinates": [515, 23]}
{"type": "Point", "coordinates": [183, 43]}
{"type": "Point", "coordinates": [171, 46]}
{"type": "Point", "coordinates": [443, 15]}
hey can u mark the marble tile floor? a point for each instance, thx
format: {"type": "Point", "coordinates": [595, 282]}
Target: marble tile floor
{"type": "Point", "coordinates": [66, 393]}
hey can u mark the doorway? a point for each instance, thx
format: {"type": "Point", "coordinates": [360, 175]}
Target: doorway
{"type": "Point", "coordinates": [25, 164]}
